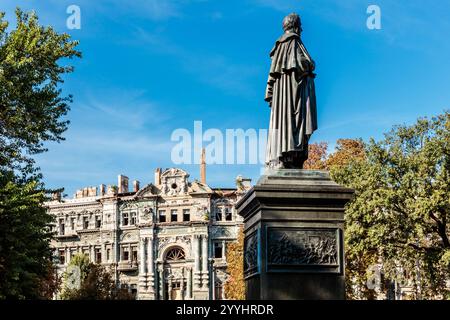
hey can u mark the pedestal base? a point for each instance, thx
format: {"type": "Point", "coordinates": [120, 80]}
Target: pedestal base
{"type": "Point", "coordinates": [293, 247]}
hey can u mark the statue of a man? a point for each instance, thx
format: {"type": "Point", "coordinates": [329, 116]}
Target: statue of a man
{"type": "Point", "coordinates": [292, 98]}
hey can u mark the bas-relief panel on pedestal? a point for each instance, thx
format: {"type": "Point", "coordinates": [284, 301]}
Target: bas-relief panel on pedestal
{"type": "Point", "coordinates": [251, 254]}
{"type": "Point", "coordinates": [301, 248]}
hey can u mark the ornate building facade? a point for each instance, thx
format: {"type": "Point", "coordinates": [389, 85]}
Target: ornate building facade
{"type": "Point", "coordinates": [164, 241]}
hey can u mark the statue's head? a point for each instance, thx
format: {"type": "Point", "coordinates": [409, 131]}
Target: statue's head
{"type": "Point", "coordinates": [292, 23]}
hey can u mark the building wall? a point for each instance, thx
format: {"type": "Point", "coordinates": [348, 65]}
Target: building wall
{"type": "Point", "coordinates": [164, 241]}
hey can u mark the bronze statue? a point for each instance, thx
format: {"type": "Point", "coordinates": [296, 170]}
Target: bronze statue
{"type": "Point", "coordinates": [292, 98]}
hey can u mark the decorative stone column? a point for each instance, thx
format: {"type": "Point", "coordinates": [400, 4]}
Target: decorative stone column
{"type": "Point", "coordinates": [103, 248]}
{"type": "Point", "coordinates": [205, 269]}
{"type": "Point", "coordinates": [196, 252]}
{"type": "Point", "coordinates": [91, 253]}
{"type": "Point", "coordinates": [224, 248]}
{"type": "Point", "coordinates": [189, 284]}
{"type": "Point", "coordinates": [142, 257]}
{"type": "Point", "coordinates": [213, 282]}
{"type": "Point", "coordinates": [169, 290]}
{"type": "Point", "coordinates": [182, 287]}
{"type": "Point", "coordinates": [161, 282]}
{"type": "Point", "coordinates": [150, 256]}
{"type": "Point", "coordinates": [293, 227]}
{"type": "Point", "coordinates": [67, 254]}
{"type": "Point", "coordinates": [150, 266]}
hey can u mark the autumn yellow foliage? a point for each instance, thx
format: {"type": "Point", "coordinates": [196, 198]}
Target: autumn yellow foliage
{"type": "Point", "coordinates": [235, 285]}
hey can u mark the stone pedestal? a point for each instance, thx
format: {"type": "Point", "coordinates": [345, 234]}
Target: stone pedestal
{"type": "Point", "coordinates": [293, 247]}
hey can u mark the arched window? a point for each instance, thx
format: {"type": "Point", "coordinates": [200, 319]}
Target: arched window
{"type": "Point", "coordinates": [175, 254]}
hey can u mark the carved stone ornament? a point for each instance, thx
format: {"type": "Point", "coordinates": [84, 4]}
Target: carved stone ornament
{"type": "Point", "coordinates": [220, 232]}
{"type": "Point", "coordinates": [251, 253]}
{"type": "Point", "coordinates": [147, 214]}
{"type": "Point", "coordinates": [302, 247]}
{"type": "Point", "coordinates": [174, 182]}
{"type": "Point", "coordinates": [162, 242]}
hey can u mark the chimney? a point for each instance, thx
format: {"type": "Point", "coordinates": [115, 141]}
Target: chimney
{"type": "Point", "coordinates": [112, 190]}
{"type": "Point", "coordinates": [122, 183]}
{"type": "Point", "coordinates": [102, 190]}
{"type": "Point", "coordinates": [79, 194]}
{"type": "Point", "coordinates": [158, 177]}
{"type": "Point", "coordinates": [92, 191]}
{"type": "Point", "coordinates": [56, 196]}
{"type": "Point", "coordinates": [135, 185]}
{"type": "Point", "coordinates": [203, 167]}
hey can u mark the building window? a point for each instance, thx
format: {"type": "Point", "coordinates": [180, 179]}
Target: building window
{"type": "Point", "coordinates": [133, 218]}
{"type": "Point", "coordinates": [62, 257]}
{"type": "Point", "coordinates": [134, 256]}
{"type": "Point", "coordinates": [72, 223]}
{"type": "Point", "coordinates": [175, 254]}
{"type": "Point", "coordinates": [186, 215]}
{"type": "Point", "coordinates": [218, 250]}
{"type": "Point", "coordinates": [61, 227]}
{"type": "Point", "coordinates": [98, 255]}
{"type": "Point", "coordinates": [125, 254]}
{"type": "Point", "coordinates": [98, 222]}
{"type": "Point", "coordinates": [108, 254]}
{"type": "Point", "coordinates": [218, 214]}
{"type": "Point", "coordinates": [85, 223]}
{"type": "Point", "coordinates": [125, 219]}
{"type": "Point", "coordinates": [228, 214]}
{"type": "Point", "coordinates": [162, 215]}
{"type": "Point", "coordinates": [173, 216]}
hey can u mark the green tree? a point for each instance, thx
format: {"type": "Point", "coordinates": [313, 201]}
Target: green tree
{"type": "Point", "coordinates": [24, 240]}
{"type": "Point", "coordinates": [82, 264]}
{"type": "Point", "coordinates": [32, 108]}
{"type": "Point", "coordinates": [31, 102]}
{"type": "Point", "coordinates": [401, 207]}
{"type": "Point", "coordinates": [96, 282]}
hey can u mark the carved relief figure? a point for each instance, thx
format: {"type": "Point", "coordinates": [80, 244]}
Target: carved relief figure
{"type": "Point", "coordinates": [306, 247]}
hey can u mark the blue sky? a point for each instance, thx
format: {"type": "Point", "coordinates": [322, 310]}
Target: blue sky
{"type": "Point", "coordinates": [150, 67]}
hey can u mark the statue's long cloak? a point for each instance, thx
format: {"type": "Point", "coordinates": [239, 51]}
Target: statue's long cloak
{"type": "Point", "coordinates": [291, 95]}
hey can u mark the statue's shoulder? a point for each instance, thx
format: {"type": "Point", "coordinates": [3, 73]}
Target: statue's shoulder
{"type": "Point", "coordinates": [286, 37]}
